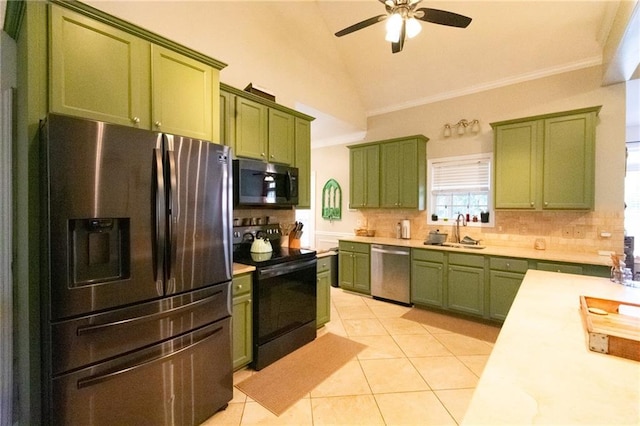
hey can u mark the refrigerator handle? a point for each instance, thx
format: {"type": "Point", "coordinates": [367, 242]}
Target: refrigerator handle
{"type": "Point", "coordinates": [172, 220]}
{"type": "Point", "coordinates": [160, 219]}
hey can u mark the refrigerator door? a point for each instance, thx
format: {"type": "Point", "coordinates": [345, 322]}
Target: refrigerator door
{"type": "Point", "coordinates": [199, 190]}
{"type": "Point", "coordinates": [101, 240]}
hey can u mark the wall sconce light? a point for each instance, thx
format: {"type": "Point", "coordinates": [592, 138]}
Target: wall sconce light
{"type": "Point", "coordinates": [461, 127]}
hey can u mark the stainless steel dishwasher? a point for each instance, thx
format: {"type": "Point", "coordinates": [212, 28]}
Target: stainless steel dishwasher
{"type": "Point", "coordinates": [390, 273]}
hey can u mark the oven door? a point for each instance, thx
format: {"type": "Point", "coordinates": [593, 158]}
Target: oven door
{"type": "Point", "coordinates": [284, 299]}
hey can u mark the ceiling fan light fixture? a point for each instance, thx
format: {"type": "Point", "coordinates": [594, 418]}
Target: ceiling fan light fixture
{"type": "Point", "coordinates": [413, 27]}
{"type": "Point", "coordinates": [394, 25]}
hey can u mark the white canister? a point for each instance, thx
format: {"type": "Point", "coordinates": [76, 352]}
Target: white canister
{"type": "Point", "coordinates": [406, 229]}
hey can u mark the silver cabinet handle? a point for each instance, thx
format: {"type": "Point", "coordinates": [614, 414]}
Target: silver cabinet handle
{"type": "Point", "coordinates": [135, 120]}
{"type": "Point", "coordinates": [157, 124]}
{"type": "Point", "coordinates": [532, 204]}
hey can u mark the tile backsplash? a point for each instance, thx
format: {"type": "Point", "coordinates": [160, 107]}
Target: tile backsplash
{"type": "Point", "coordinates": [576, 231]}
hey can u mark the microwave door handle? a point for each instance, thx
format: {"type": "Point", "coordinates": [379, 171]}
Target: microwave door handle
{"type": "Point", "coordinates": [288, 186]}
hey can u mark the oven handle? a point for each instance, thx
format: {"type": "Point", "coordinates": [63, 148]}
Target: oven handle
{"type": "Point", "coordinates": [285, 268]}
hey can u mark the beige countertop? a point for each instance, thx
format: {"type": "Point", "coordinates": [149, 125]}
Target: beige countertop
{"type": "Point", "coordinates": [239, 268]}
{"type": "Point", "coordinates": [550, 255]}
{"type": "Point", "coordinates": [541, 370]}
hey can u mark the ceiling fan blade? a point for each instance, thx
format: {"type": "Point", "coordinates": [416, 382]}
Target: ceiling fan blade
{"type": "Point", "coordinates": [361, 25]}
{"type": "Point", "coordinates": [397, 47]}
{"type": "Point", "coordinates": [442, 17]}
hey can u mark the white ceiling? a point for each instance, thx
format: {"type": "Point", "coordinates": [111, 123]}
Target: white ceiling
{"type": "Point", "coordinates": [506, 42]}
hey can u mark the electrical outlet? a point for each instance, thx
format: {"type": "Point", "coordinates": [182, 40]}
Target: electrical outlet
{"type": "Point", "coordinates": [578, 232]}
{"type": "Point", "coordinates": [359, 223]}
{"type": "Point", "coordinates": [524, 230]}
{"type": "Point", "coordinates": [567, 232]}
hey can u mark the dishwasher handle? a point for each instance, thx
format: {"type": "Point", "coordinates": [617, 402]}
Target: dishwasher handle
{"type": "Point", "coordinates": [377, 248]}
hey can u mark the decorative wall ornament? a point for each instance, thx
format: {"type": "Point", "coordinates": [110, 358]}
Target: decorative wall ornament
{"type": "Point", "coordinates": [331, 200]}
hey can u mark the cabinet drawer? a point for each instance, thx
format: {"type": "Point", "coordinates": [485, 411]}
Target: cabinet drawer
{"type": "Point", "coordinates": [560, 267]}
{"type": "Point", "coordinates": [508, 264]}
{"type": "Point", "coordinates": [324, 264]}
{"type": "Point", "coordinates": [355, 247]}
{"type": "Point", "coordinates": [241, 284]}
{"type": "Point", "coordinates": [466, 260]}
{"type": "Point", "coordinates": [428, 255]}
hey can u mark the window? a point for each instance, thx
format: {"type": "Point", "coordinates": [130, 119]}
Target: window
{"type": "Point", "coordinates": [460, 185]}
{"type": "Point", "coordinates": [632, 194]}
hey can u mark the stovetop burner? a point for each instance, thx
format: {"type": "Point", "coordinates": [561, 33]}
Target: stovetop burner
{"type": "Point", "coordinates": [243, 237]}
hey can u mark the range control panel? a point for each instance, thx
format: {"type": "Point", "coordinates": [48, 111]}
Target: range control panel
{"type": "Point", "coordinates": [246, 234]}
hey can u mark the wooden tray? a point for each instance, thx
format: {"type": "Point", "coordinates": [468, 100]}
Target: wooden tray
{"type": "Point", "coordinates": [611, 331]}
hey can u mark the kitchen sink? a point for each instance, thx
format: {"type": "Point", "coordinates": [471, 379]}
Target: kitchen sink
{"type": "Point", "coordinates": [464, 246]}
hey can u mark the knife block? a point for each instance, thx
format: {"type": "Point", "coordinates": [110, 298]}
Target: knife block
{"type": "Point", "coordinates": [293, 241]}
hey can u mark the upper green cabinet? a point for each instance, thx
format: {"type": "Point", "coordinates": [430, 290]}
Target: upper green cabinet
{"type": "Point", "coordinates": [281, 137]}
{"type": "Point", "coordinates": [546, 162]}
{"type": "Point", "coordinates": [113, 73]}
{"type": "Point", "coordinates": [389, 173]}
{"type": "Point", "coordinates": [182, 94]}
{"type": "Point", "coordinates": [403, 173]}
{"type": "Point", "coordinates": [303, 161]}
{"type": "Point", "coordinates": [364, 167]}
{"type": "Point", "coordinates": [251, 129]}
{"type": "Point", "coordinates": [97, 71]}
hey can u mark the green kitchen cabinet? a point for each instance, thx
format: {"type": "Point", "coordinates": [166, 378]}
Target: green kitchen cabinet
{"type": "Point", "coordinates": [403, 173]}
{"type": "Point", "coordinates": [242, 325]}
{"type": "Point", "coordinates": [354, 268]}
{"type": "Point", "coordinates": [303, 161]}
{"type": "Point", "coordinates": [105, 73]}
{"type": "Point", "coordinates": [182, 94]}
{"type": "Point", "coordinates": [546, 162]}
{"type": "Point", "coordinates": [97, 71]}
{"type": "Point", "coordinates": [466, 283]}
{"type": "Point", "coordinates": [227, 118]}
{"type": "Point", "coordinates": [323, 306]}
{"type": "Point", "coordinates": [364, 180]}
{"type": "Point", "coordinates": [281, 138]}
{"type": "Point", "coordinates": [427, 277]}
{"type": "Point", "coordinates": [505, 277]}
{"type": "Point", "coordinates": [251, 129]}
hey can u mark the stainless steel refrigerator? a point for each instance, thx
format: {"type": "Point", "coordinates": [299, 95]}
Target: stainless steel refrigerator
{"type": "Point", "coordinates": [137, 251]}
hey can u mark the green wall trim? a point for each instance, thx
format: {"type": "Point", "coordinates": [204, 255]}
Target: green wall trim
{"type": "Point", "coordinates": [130, 28]}
{"type": "Point", "coordinates": [255, 98]}
{"type": "Point", "coordinates": [13, 17]}
{"type": "Point", "coordinates": [595, 109]}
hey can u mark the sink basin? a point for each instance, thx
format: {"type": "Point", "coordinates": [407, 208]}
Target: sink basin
{"type": "Point", "coordinates": [464, 246]}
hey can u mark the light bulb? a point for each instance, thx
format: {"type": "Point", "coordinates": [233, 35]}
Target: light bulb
{"type": "Point", "coordinates": [475, 127]}
{"type": "Point", "coordinates": [394, 24]}
{"type": "Point", "coordinates": [413, 27]}
{"type": "Point", "coordinates": [461, 129]}
{"type": "Point", "coordinates": [447, 131]}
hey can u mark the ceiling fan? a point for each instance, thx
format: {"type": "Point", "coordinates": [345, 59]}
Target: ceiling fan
{"type": "Point", "coordinates": [402, 21]}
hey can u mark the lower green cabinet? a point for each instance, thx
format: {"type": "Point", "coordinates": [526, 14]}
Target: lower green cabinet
{"type": "Point", "coordinates": [465, 289]}
{"type": "Point", "coordinates": [354, 266]}
{"type": "Point", "coordinates": [503, 287]}
{"type": "Point", "coordinates": [427, 277]}
{"type": "Point", "coordinates": [242, 325]}
{"type": "Point", "coordinates": [323, 307]}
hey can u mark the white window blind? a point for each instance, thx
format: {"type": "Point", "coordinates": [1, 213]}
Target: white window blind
{"type": "Point", "coordinates": [461, 176]}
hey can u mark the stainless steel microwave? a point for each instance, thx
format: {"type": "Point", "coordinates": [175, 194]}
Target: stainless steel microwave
{"type": "Point", "coordinates": [259, 184]}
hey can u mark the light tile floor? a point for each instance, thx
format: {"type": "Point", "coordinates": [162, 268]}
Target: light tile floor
{"type": "Point", "coordinates": [409, 373]}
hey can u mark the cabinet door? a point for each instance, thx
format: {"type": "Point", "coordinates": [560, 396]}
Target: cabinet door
{"type": "Point", "coordinates": [97, 71]}
{"type": "Point", "coordinates": [503, 287]}
{"type": "Point", "coordinates": [399, 175]}
{"type": "Point", "coordinates": [281, 137]}
{"type": "Point", "coordinates": [323, 308]}
{"type": "Point", "coordinates": [362, 273]}
{"type": "Point", "coordinates": [427, 283]}
{"type": "Point", "coordinates": [303, 161]}
{"type": "Point", "coordinates": [182, 95]}
{"type": "Point", "coordinates": [516, 165]}
{"type": "Point", "coordinates": [346, 269]}
{"type": "Point", "coordinates": [242, 329]}
{"type": "Point", "coordinates": [227, 119]}
{"type": "Point", "coordinates": [251, 129]}
{"type": "Point", "coordinates": [364, 181]}
{"type": "Point", "coordinates": [465, 289]}
{"type": "Point", "coordinates": [569, 162]}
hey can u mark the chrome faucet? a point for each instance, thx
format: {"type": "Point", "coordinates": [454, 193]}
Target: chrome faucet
{"type": "Point", "coordinates": [457, 227]}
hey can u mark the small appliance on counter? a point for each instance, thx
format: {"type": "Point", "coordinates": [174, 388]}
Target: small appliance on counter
{"type": "Point", "coordinates": [405, 229]}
